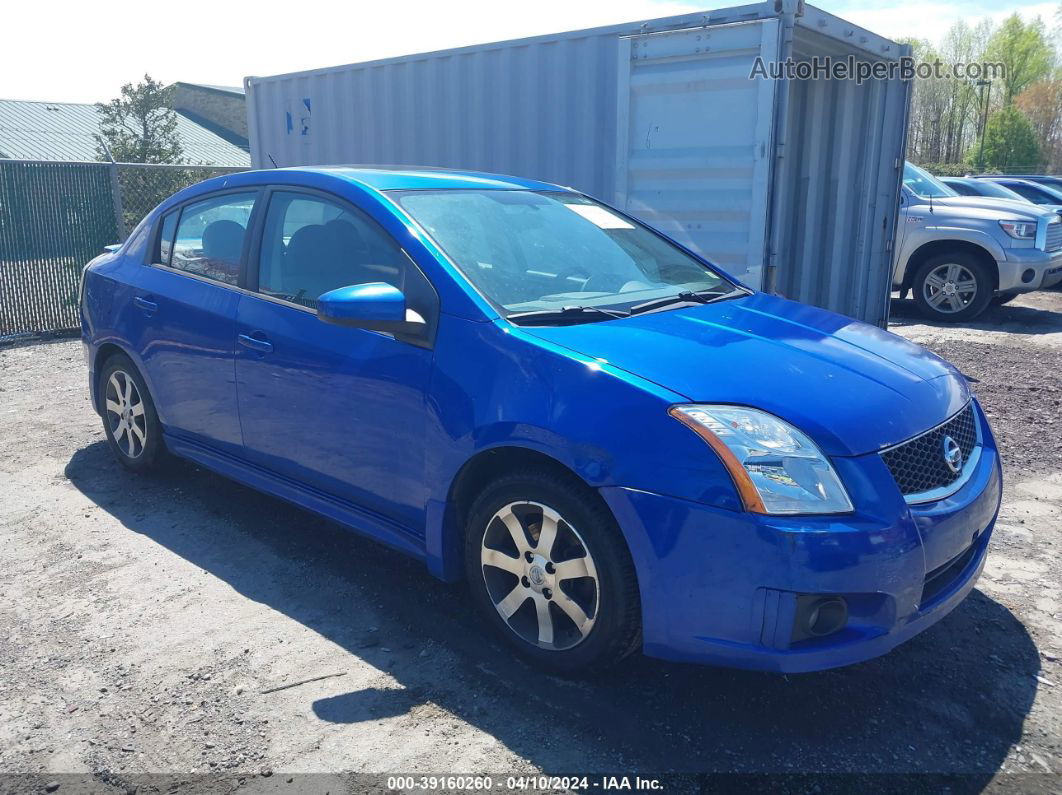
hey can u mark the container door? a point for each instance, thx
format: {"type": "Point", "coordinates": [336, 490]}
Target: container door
{"type": "Point", "coordinates": [693, 158]}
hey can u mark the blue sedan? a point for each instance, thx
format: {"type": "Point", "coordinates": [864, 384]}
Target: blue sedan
{"type": "Point", "coordinates": [614, 443]}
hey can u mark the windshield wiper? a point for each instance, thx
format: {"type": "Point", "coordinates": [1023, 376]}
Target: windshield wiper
{"type": "Point", "coordinates": [687, 297]}
{"type": "Point", "coordinates": [566, 314]}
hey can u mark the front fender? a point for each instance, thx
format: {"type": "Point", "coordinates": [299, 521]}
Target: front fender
{"type": "Point", "coordinates": [915, 239]}
{"type": "Point", "coordinates": [492, 387]}
{"type": "Point", "coordinates": [975, 236]}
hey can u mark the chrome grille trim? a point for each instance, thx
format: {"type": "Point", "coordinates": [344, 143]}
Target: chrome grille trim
{"type": "Point", "coordinates": [937, 486]}
{"type": "Point", "coordinates": [1054, 237]}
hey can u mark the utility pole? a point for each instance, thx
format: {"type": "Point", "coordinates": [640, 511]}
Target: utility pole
{"type": "Point", "coordinates": [984, 120]}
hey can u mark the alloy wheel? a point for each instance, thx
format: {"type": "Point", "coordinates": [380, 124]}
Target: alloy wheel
{"type": "Point", "coordinates": [540, 576]}
{"type": "Point", "coordinates": [125, 414]}
{"type": "Point", "coordinates": [949, 288]}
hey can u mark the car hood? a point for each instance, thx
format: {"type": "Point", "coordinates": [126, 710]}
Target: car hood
{"type": "Point", "coordinates": [1009, 208]}
{"type": "Point", "coordinates": [852, 387]}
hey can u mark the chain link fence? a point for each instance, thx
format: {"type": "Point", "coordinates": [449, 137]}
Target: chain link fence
{"type": "Point", "coordinates": [56, 216]}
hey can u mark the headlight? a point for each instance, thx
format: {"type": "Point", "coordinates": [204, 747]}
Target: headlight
{"type": "Point", "coordinates": [776, 468]}
{"type": "Point", "coordinates": [1023, 230]}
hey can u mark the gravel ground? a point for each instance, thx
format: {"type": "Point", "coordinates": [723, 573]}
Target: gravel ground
{"type": "Point", "coordinates": [165, 623]}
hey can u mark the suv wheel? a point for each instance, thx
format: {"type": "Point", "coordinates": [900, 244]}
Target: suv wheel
{"type": "Point", "coordinates": [952, 287]}
{"type": "Point", "coordinates": [129, 419]}
{"type": "Point", "coordinates": [550, 572]}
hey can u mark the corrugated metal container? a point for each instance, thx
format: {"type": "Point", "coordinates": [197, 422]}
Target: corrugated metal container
{"type": "Point", "coordinates": [790, 185]}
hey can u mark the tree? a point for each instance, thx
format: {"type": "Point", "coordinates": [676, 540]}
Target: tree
{"type": "Point", "coordinates": [139, 126]}
{"type": "Point", "coordinates": [945, 113]}
{"type": "Point", "coordinates": [1042, 105]}
{"type": "Point", "coordinates": [1026, 52]}
{"type": "Point", "coordinates": [1009, 143]}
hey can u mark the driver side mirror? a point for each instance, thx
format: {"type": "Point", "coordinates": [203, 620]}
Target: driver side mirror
{"type": "Point", "coordinates": [376, 306]}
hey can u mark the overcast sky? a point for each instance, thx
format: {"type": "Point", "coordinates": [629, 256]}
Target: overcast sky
{"type": "Point", "coordinates": [57, 50]}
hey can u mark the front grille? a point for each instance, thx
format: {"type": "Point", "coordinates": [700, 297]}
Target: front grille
{"type": "Point", "coordinates": [1054, 237]}
{"type": "Point", "coordinates": [918, 465]}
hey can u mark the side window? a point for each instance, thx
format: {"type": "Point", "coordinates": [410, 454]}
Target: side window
{"type": "Point", "coordinates": [210, 236]}
{"type": "Point", "coordinates": [169, 226]}
{"type": "Point", "coordinates": [312, 245]}
{"type": "Point", "coordinates": [1030, 193]}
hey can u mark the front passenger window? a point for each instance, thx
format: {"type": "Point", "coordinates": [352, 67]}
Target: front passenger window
{"type": "Point", "coordinates": [312, 245]}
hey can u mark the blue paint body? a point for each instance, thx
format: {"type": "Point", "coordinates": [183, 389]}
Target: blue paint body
{"type": "Point", "coordinates": [362, 302]}
{"type": "Point", "coordinates": [373, 431]}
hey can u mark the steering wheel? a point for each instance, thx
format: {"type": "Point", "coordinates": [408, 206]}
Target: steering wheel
{"type": "Point", "coordinates": [605, 283]}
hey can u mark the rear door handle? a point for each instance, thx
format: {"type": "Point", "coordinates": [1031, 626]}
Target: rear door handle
{"type": "Point", "coordinates": [255, 344]}
{"type": "Point", "coordinates": [146, 304]}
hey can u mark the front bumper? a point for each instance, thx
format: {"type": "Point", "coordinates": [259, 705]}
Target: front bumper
{"type": "Point", "coordinates": [721, 587]}
{"type": "Point", "coordinates": [1046, 270]}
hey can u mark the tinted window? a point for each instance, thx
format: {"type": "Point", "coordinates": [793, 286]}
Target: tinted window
{"type": "Point", "coordinates": [995, 190]}
{"type": "Point", "coordinates": [1032, 194]}
{"type": "Point", "coordinates": [169, 226]}
{"type": "Point", "coordinates": [210, 236]}
{"type": "Point", "coordinates": [961, 188]}
{"type": "Point", "coordinates": [311, 245]}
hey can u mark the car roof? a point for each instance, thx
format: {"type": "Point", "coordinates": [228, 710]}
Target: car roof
{"type": "Point", "coordinates": [425, 178]}
{"type": "Point", "coordinates": [370, 179]}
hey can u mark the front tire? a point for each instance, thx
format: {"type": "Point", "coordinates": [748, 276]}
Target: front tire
{"type": "Point", "coordinates": [951, 288]}
{"type": "Point", "coordinates": [130, 422]}
{"type": "Point", "coordinates": [550, 572]}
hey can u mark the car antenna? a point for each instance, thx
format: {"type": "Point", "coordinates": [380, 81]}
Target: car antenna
{"type": "Point", "coordinates": [271, 160]}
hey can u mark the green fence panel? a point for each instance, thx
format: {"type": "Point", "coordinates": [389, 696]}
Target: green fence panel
{"type": "Point", "coordinates": [54, 218]}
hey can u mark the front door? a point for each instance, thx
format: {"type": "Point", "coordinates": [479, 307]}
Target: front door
{"type": "Point", "coordinates": [341, 410]}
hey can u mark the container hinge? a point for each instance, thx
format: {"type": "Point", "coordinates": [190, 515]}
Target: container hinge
{"type": "Point", "coordinates": [897, 163]}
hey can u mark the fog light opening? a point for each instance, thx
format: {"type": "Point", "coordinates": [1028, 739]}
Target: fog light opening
{"type": "Point", "coordinates": [1028, 275]}
{"type": "Point", "coordinates": [817, 616]}
{"type": "Point", "coordinates": [827, 616]}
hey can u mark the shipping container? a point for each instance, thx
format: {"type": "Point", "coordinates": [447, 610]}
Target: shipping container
{"type": "Point", "coordinates": [792, 185]}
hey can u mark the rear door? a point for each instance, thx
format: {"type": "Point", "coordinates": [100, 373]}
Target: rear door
{"type": "Point", "coordinates": [341, 410]}
{"type": "Point", "coordinates": [182, 317]}
{"type": "Point", "coordinates": [694, 158]}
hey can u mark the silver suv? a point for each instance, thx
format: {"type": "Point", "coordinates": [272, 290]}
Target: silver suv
{"type": "Point", "coordinates": [958, 253]}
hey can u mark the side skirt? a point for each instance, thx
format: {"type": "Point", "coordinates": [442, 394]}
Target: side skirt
{"type": "Point", "coordinates": [348, 514]}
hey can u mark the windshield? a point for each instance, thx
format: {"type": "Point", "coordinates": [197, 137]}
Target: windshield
{"type": "Point", "coordinates": [924, 184]}
{"type": "Point", "coordinates": [529, 251]}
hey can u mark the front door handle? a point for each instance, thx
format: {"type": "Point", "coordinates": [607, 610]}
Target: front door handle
{"type": "Point", "coordinates": [149, 306]}
{"type": "Point", "coordinates": [255, 344]}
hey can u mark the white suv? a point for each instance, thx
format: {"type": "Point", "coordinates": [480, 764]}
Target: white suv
{"type": "Point", "coordinates": [956, 253]}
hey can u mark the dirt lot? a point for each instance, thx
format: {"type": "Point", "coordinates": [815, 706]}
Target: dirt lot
{"type": "Point", "coordinates": [147, 622]}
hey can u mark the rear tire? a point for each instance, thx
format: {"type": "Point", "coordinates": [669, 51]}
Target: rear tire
{"type": "Point", "coordinates": [545, 552]}
{"type": "Point", "coordinates": [130, 422]}
{"type": "Point", "coordinates": [951, 288]}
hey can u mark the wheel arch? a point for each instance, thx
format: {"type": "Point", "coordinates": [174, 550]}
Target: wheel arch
{"type": "Point", "coordinates": [99, 361]}
{"type": "Point", "coordinates": [447, 521]}
{"type": "Point", "coordinates": [937, 247]}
